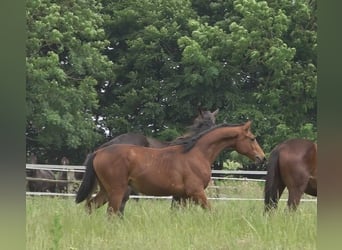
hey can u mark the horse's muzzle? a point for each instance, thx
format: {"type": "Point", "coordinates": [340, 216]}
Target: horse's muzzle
{"type": "Point", "coordinates": [260, 160]}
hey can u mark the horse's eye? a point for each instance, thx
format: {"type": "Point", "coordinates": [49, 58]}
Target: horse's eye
{"type": "Point", "coordinates": [253, 139]}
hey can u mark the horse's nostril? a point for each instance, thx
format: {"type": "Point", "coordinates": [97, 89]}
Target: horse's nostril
{"type": "Point", "coordinates": [260, 159]}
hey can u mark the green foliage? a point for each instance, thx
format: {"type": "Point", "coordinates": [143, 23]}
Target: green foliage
{"type": "Point", "coordinates": [97, 69]}
{"type": "Point", "coordinates": [169, 134]}
{"type": "Point", "coordinates": [64, 65]}
{"type": "Point", "coordinates": [284, 132]}
{"type": "Point", "coordinates": [231, 165]}
{"type": "Point", "coordinates": [308, 131]}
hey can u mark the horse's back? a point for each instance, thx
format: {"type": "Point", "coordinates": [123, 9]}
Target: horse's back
{"type": "Point", "coordinates": [123, 155]}
{"type": "Point", "coordinates": [128, 138]}
{"type": "Point", "coordinates": [151, 171]}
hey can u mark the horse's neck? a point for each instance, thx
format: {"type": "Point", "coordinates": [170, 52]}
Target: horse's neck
{"type": "Point", "coordinates": [212, 143]}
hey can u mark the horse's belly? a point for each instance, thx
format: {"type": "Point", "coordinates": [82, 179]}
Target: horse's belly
{"type": "Point", "coordinates": [157, 187]}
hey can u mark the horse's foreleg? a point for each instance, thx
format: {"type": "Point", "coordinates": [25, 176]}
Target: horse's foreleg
{"type": "Point", "coordinates": [175, 202]}
{"type": "Point", "coordinates": [201, 198]}
{"type": "Point", "coordinates": [183, 201]}
{"type": "Point", "coordinates": [178, 202]}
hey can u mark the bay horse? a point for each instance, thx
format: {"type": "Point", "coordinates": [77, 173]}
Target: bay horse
{"type": "Point", "coordinates": [182, 170]}
{"type": "Point", "coordinates": [292, 164]}
{"type": "Point", "coordinates": [205, 120]}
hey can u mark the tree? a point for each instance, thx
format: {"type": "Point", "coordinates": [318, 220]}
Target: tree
{"type": "Point", "coordinates": [96, 71]}
{"type": "Point", "coordinates": [269, 47]}
{"type": "Point", "coordinates": [64, 65]}
{"type": "Point", "coordinates": [144, 40]}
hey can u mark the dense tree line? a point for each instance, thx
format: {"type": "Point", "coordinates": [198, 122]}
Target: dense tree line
{"type": "Point", "coordinates": [97, 69]}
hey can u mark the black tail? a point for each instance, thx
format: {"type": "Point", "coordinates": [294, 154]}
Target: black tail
{"type": "Point", "coordinates": [88, 181]}
{"type": "Point", "coordinates": [272, 181]}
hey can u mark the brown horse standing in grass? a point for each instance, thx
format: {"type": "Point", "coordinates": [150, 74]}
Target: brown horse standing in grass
{"type": "Point", "coordinates": [292, 164]}
{"type": "Point", "coordinates": [205, 120]}
{"type": "Point", "coordinates": [182, 170]}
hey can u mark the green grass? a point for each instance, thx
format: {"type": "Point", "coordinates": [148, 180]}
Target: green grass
{"type": "Point", "coordinates": [57, 223]}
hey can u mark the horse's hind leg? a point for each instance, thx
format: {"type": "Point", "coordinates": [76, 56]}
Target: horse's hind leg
{"type": "Point", "coordinates": [280, 190]}
{"type": "Point", "coordinates": [115, 198]}
{"type": "Point", "coordinates": [99, 200]}
{"type": "Point", "coordinates": [295, 194]}
{"type": "Point", "coordinates": [125, 199]}
{"type": "Point", "coordinates": [272, 203]}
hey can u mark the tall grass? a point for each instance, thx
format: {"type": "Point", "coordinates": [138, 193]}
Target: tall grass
{"type": "Point", "coordinates": [57, 223]}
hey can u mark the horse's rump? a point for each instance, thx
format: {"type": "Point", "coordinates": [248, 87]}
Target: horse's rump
{"type": "Point", "coordinates": [291, 164]}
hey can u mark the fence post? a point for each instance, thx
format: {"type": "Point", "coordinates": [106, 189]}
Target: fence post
{"type": "Point", "coordinates": [70, 178]}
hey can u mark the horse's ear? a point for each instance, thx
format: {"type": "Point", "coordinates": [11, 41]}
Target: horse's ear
{"type": "Point", "coordinates": [215, 112]}
{"type": "Point", "coordinates": [247, 125]}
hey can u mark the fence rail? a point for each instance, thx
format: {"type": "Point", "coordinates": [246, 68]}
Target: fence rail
{"type": "Point", "coordinates": [222, 174]}
{"type": "Point", "coordinates": [216, 175]}
{"type": "Point", "coordinates": [74, 168]}
{"type": "Point", "coordinates": [79, 168]}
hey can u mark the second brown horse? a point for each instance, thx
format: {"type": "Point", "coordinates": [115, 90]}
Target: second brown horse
{"type": "Point", "coordinates": [292, 164]}
{"type": "Point", "coordinates": [182, 171]}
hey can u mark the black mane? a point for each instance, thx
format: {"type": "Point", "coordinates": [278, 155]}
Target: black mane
{"type": "Point", "coordinates": [201, 126]}
{"type": "Point", "coordinates": [189, 143]}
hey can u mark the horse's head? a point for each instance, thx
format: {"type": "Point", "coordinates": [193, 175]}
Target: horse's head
{"type": "Point", "coordinates": [204, 120]}
{"type": "Point", "coordinates": [247, 144]}
{"type": "Point", "coordinates": [65, 161]}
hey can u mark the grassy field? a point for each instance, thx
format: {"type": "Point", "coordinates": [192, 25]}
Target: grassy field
{"type": "Point", "coordinates": [58, 223]}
